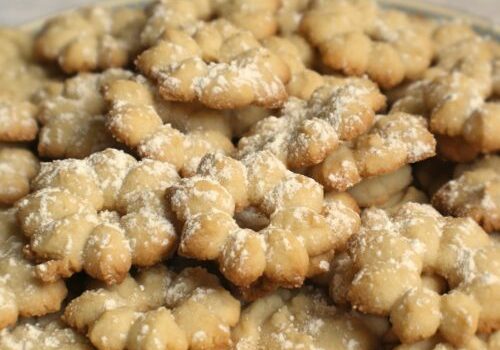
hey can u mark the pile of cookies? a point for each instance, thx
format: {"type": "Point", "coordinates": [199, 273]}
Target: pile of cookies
{"type": "Point", "coordinates": [249, 175]}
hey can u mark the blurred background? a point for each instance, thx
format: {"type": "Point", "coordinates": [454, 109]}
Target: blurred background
{"type": "Point", "coordinates": [13, 12]}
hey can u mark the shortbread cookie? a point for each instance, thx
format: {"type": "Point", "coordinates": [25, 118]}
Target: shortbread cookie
{"type": "Point", "coordinates": [258, 17]}
{"type": "Point", "coordinates": [136, 118]}
{"type": "Point", "coordinates": [45, 333]}
{"type": "Point", "coordinates": [17, 167]}
{"type": "Point", "coordinates": [357, 38]}
{"type": "Point", "coordinates": [453, 95]}
{"type": "Point", "coordinates": [474, 192]}
{"type": "Point", "coordinates": [300, 319]}
{"type": "Point", "coordinates": [303, 81]}
{"type": "Point", "coordinates": [157, 310]}
{"type": "Point", "coordinates": [396, 139]}
{"type": "Point", "coordinates": [21, 293]}
{"type": "Point", "coordinates": [491, 342]}
{"type": "Point", "coordinates": [91, 39]}
{"type": "Point", "coordinates": [301, 226]}
{"type": "Point", "coordinates": [307, 132]}
{"type": "Point", "coordinates": [17, 120]}
{"type": "Point", "coordinates": [391, 252]}
{"type": "Point", "coordinates": [219, 65]}
{"type": "Point", "coordinates": [101, 214]}
{"type": "Point", "coordinates": [377, 190]}
{"type": "Point", "coordinates": [163, 15]}
{"type": "Point", "coordinates": [20, 78]}
{"type": "Point", "coordinates": [290, 14]}
{"type": "Point", "coordinates": [73, 122]}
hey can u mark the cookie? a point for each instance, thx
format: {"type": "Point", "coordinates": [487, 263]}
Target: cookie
{"type": "Point", "coordinates": [357, 38]}
{"type": "Point", "coordinates": [491, 342]}
{"type": "Point", "coordinates": [18, 166]}
{"type": "Point", "coordinates": [219, 66]}
{"type": "Point", "coordinates": [453, 94]}
{"type": "Point", "coordinates": [91, 39]}
{"type": "Point", "coordinates": [157, 309]}
{"type": "Point", "coordinates": [303, 81]}
{"type": "Point", "coordinates": [257, 17]}
{"type": "Point", "coordinates": [301, 224]}
{"type": "Point", "coordinates": [21, 293]}
{"type": "Point", "coordinates": [306, 132]}
{"type": "Point", "coordinates": [474, 192]}
{"type": "Point", "coordinates": [163, 15]}
{"type": "Point", "coordinates": [100, 214]}
{"type": "Point", "coordinates": [20, 79]}
{"type": "Point", "coordinates": [79, 103]}
{"type": "Point", "coordinates": [396, 139]}
{"type": "Point", "coordinates": [300, 319]}
{"type": "Point", "coordinates": [136, 118]}
{"type": "Point", "coordinates": [383, 274]}
{"type": "Point", "coordinates": [378, 190]}
{"type": "Point", "coordinates": [45, 333]}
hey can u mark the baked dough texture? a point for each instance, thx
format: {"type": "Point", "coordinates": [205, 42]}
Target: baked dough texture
{"type": "Point", "coordinates": [385, 274]}
{"type": "Point", "coordinates": [101, 214]}
{"type": "Point", "coordinates": [21, 293]}
{"type": "Point", "coordinates": [302, 224]}
{"type": "Point", "coordinates": [157, 309]}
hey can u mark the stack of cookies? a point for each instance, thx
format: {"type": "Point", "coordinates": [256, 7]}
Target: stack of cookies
{"type": "Point", "coordinates": [249, 175]}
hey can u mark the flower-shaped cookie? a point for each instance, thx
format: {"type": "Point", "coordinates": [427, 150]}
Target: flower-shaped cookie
{"type": "Point", "coordinates": [388, 191]}
{"type": "Point", "coordinates": [300, 319]}
{"type": "Point", "coordinates": [490, 342]}
{"type": "Point", "coordinates": [46, 333]}
{"type": "Point", "coordinates": [173, 14]}
{"type": "Point", "coordinates": [17, 167]}
{"type": "Point", "coordinates": [301, 226]}
{"type": "Point", "coordinates": [256, 16]}
{"type": "Point", "coordinates": [395, 140]}
{"type": "Point", "coordinates": [303, 81]}
{"type": "Point", "coordinates": [453, 94]}
{"type": "Point", "coordinates": [136, 117]}
{"type": "Point", "coordinates": [20, 79]}
{"type": "Point", "coordinates": [73, 122]}
{"type": "Point", "coordinates": [158, 309]}
{"type": "Point", "coordinates": [219, 65]}
{"type": "Point", "coordinates": [395, 251]}
{"type": "Point", "coordinates": [308, 131]}
{"type": "Point", "coordinates": [21, 293]}
{"type": "Point", "coordinates": [101, 214]}
{"type": "Point", "coordinates": [357, 38]}
{"type": "Point", "coordinates": [91, 39]}
{"type": "Point", "coordinates": [474, 192]}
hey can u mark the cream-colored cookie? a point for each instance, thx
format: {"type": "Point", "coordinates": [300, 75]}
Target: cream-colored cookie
{"type": "Point", "coordinates": [158, 309]}
{"type": "Point", "coordinates": [46, 333]}
{"type": "Point", "coordinates": [396, 139]}
{"type": "Point", "coordinates": [18, 166]}
{"type": "Point", "coordinates": [302, 225]}
{"type": "Point", "coordinates": [474, 192]}
{"type": "Point", "coordinates": [100, 214]}
{"type": "Point", "coordinates": [73, 122]}
{"type": "Point", "coordinates": [306, 132]}
{"type": "Point", "coordinates": [136, 117]}
{"type": "Point", "coordinates": [219, 65]}
{"type": "Point", "coordinates": [300, 319]}
{"type": "Point", "coordinates": [21, 293]}
{"type": "Point", "coordinates": [383, 274]}
{"type": "Point", "coordinates": [91, 39]}
{"type": "Point", "coordinates": [357, 38]}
